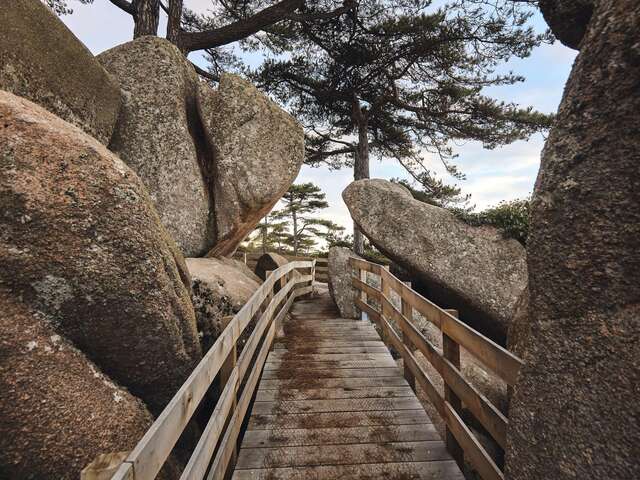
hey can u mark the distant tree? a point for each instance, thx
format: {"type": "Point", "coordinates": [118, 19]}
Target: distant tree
{"type": "Point", "coordinates": [398, 79]}
{"type": "Point", "coordinates": [299, 203]}
{"type": "Point", "coordinates": [272, 233]}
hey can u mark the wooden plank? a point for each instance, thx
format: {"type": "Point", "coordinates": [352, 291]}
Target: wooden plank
{"type": "Point", "coordinates": [366, 288]}
{"type": "Point", "coordinates": [335, 373]}
{"type": "Point", "coordinates": [341, 454]}
{"type": "Point", "coordinates": [278, 384]}
{"type": "Point", "coordinates": [199, 461]}
{"type": "Point", "coordinates": [331, 393]}
{"type": "Point", "coordinates": [338, 419]}
{"type": "Point", "coordinates": [374, 314]}
{"type": "Point", "coordinates": [304, 351]}
{"type": "Point", "coordinates": [150, 453]}
{"type": "Point", "coordinates": [320, 343]}
{"type": "Point", "coordinates": [451, 352]}
{"type": "Point", "coordinates": [440, 470]}
{"type": "Point", "coordinates": [502, 362]}
{"type": "Point", "coordinates": [486, 413]}
{"type": "Point", "coordinates": [327, 357]}
{"type": "Point", "coordinates": [364, 265]}
{"type": "Point", "coordinates": [326, 364]}
{"type": "Point", "coordinates": [482, 409]}
{"type": "Point", "coordinates": [420, 375]}
{"type": "Point", "coordinates": [475, 454]}
{"type": "Point", "coordinates": [335, 405]}
{"type": "Point", "coordinates": [407, 313]}
{"type": "Point", "coordinates": [340, 436]}
{"type": "Point", "coordinates": [227, 445]}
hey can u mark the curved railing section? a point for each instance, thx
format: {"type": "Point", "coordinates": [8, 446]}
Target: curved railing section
{"type": "Point", "coordinates": [238, 377]}
{"type": "Point", "coordinates": [461, 442]}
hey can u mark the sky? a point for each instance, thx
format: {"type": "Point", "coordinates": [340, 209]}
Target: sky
{"type": "Point", "coordinates": [491, 175]}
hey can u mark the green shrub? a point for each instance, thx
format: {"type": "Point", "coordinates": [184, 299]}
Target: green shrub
{"type": "Point", "coordinates": [511, 218]}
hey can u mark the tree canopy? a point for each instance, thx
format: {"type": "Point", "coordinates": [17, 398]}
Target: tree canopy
{"type": "Point", "coordinates": [402, 80]}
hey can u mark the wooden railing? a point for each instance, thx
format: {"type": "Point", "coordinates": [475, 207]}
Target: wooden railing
{"type": "Point", "coordinates": [460, 440]}
{"type": "Point", "coordinates": [322, 267]}
{"type": "Point", "coordinates": [216, 450]}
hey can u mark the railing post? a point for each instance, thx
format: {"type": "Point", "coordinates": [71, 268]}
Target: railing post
{"type": "Point", "coordinates": [313, 276]}
{"type": "Point", "coordinates": [451, 351]}
{"type": "Point", "coordinates": [363, 295]}
{"type": "Point", "coordinates": [386, 292]}
{"type": "Point", "coordinates": [407, 312]}
{"type": "Point", "coordinates": [225, 372]}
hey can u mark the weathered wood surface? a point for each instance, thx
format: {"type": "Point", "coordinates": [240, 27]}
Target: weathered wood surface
{"type": "Point", "coordinates": [333, 404]}
{"type": "Point", "coordinates": [461, 442]}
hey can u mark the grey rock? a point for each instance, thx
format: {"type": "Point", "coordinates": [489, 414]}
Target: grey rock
{"type": "Point", "coordinates": [568, 19]}
{"type": "Point", "coordinates": [40, 59]}
{"type": "Point", "coordinates": [341, 288]}
{"type": "Point", "coordinates": [575, 406]}
{"type": "Point", "coordinates": [159, 135]}
{"type": "Point", "coordinates": [232, 278]}
{"type": "Point", "coordinates": [472, 269]}
{"type": "Point", "coordinates": [81, 242]}
{"type": "Point", "coordinates": [258, 152]}
{"type": "Point", "coordinates": [58, 411]}
{"type": "Point", "coordinates": [268, 263]}
{"type": "Point", "coordinates": [221, 287]}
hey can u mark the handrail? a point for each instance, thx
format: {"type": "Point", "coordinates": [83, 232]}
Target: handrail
{"type": "Point", "coordinates": [149, 455]}
{"type": "Point", "coordinates": [455, 334]}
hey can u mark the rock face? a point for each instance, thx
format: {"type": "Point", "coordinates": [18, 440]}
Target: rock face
{"type": "Point", "coordinates": [518, 335]}
{"type": "Point", "coordinates": [232, 278]}
{"type": "Point", "coordinates": [258, 152]}
{"type": "Point", "coordinates": [40, 59]}
{"type": "Point", "coordinates": [54, 401]}
{"type": "Point", "coordinates": [221, 287]}
{"type": "Point", "coordinates": [81, 242]}
{"type": "Point", "coordinates": [472, 269]}
{"type": "Point", "coordinates": [268, 263]}
{"type": "Point", "coordinates": [340, 286]}
{"type": "Point", "coordinates": [568, 19]}
{"type": "Point", "coordinates": [159, 135]}
{"type": "Point", "coordinates": [575, 407]}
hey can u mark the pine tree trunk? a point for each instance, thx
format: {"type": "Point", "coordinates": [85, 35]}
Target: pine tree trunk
{"type": "Point", "coordinates": [174, 22]}
{"type": "Point", "coordinates": [147, 18]}
{"type": "Point", "coordinates": [361, 165]}
{"type": "Point", "coordinates": [295, 234]}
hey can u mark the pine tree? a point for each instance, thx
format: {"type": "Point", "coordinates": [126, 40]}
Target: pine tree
{"type": "Point", "coordinates": [400, 79]}
{"type": "Point", "coordinates": [300, 202]}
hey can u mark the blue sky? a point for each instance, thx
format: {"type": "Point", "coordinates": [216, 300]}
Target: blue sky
{"type": "Point", "coordinates": [492, 175]}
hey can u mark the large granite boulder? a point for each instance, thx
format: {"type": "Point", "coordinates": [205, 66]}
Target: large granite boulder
{"type": "Point", "coordinates": [472, 269]}
{"type": "Point", "coordinates": [575, 409]}
{"type": "Point", "coordinates": [221, 287]}
{"type": "Point", "coordinates": [57, 410]}
{"type": "Point", "coordinates": [341, 287]}
{"type": "Point", "coordinates": [81, 242]}
{"type": "Point", "coordinates": [518, 335]}
{"type": "Point", "coordinates": [258, 151]}
{"type": "Point", "coordinates": [40, 59]}
{"type": "Point", "coordinates": [268, 263]}
{"type": "Point", "coordinates": [159, 135]}
{"type": "Point", "coordinates": [232, 278]}
{"type": "Point", "coordinates": [568, 19]}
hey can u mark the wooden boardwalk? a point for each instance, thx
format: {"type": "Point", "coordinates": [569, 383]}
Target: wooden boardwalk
{"type": "Point", "coordinates": [333, 404]}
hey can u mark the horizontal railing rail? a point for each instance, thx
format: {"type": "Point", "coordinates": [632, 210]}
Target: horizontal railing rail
{"type": "Point", "coordinates": [322, 267]}
{"type": "Point", "coordinates": [461, 442]}
{"type": "Point", "coordinates": [216, 450]}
